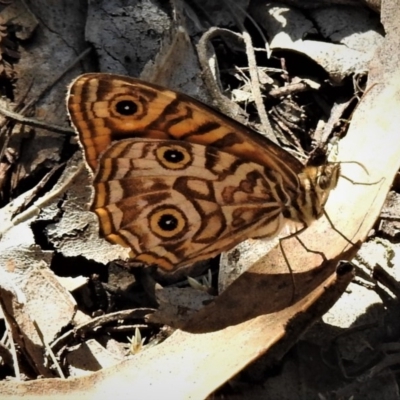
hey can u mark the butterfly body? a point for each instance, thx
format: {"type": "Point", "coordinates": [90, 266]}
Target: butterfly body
{"type": "Point", "coordinates": [177, 182]}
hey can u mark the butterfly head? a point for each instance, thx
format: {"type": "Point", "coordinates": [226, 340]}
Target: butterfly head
{"type": "Point", "coordinates": [325, 179]}
{"type": "Point", "coordinates": [317, 180]}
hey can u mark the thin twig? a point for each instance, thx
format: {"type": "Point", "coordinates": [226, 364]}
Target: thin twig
{"type": "Point", "coordinates": [35, 209]}
{"type": "Point", "coordinates": [210, 79]}
{"type": "Point", "coordinates": [56, 79]}
{"type": "Point", "coordinates": [251, 19]}
{"type": "Point", "coordinates": [385, 279]}
{"type": "Point", "coordinates": [224, 104]}
{"type": "Point", "coordinates": [38, 187]}
{"type": "Point", "coordinates": [290, 89]}
{"type": "Point", "coordinates": [35, 123]}
{"type": "Point", "coordinates": [13, 351]}
{"type": "Point", "coordinates": [19, 117]}
{"type": "Point", "coordinates": [49, 350]}
{"type": "Point", "coordinates": [6, 135]}
{"type": "Point", "coordinates": [7, 289]}
{"type": "Point", "coordinates": [255, 87]}
{"type": "Point", "coordinates": [253, 71]}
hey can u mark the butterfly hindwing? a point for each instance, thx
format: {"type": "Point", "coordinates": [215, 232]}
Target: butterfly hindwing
{"type": "Point", "coordinates": [169, 200]}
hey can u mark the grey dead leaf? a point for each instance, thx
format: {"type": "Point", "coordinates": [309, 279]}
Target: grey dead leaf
{"type": "Point", "coordinates": [390, 223]}
{"type": "Point", "coordinates": [236, 261]}
{"type": "Point", "coordinates": [177, 305]}
{"type": "Point", "coordinates": [167, 67]}
{"type": "Point", "coordinates": [25, 266]}
{"type": "Point", "coordinates": [241, 96]}
{"type": "Point", "coordinates": [116, 33]}
{"type": "Point", "coordinates": [71, 284]}
{"type": "Point", "coordinates": [76, 234]}
{"type": "Point", "coordinates": [354, 43]}
{"type": "Point", "coordinates": [31, 309]}
{"type": "Point", "coordinates": [165, 57]}
{"type": "Point", "coordinates": [355, 28]}
{"type": "Point", "coordinates": [224, 13]}
{"type": "Point", "coordinates": [80, 318]}
{"type": "Point", "coordinates": [89, 357]}
{"type": "Point", "coordinates": [189, 298]}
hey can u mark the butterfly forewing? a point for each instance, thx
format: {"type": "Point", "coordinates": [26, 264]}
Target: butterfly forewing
{"type": "Point", "coordinates": [105, 108]}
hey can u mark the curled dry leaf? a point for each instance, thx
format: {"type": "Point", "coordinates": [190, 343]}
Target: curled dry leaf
{"type": "Point", "coordinates": [346, 51]}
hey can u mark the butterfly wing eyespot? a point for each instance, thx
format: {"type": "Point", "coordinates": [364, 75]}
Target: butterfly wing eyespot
{"type": "Point", "coordinates": [174, 156]}
{"type": "Point", "coordinates": [168, 222]}
{"type": "Point", "coordinates": [124, 106]}
{"type": "Point", "coordinates": [176, 181]}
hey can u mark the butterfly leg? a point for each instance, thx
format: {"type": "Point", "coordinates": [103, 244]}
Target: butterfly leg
{"type": "Point", "coordinates": [296, 235]}
{"type": "Point", "coordinates": [337, 230]}
{"type": "Point", "coordinates": [290, 270]}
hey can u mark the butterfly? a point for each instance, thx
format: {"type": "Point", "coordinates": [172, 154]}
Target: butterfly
{"type": "Point", "coordinates": [177, 182]}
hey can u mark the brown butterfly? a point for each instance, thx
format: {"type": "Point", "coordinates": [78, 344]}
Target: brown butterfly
{"type": "Point", "coordinates": [177, 182]}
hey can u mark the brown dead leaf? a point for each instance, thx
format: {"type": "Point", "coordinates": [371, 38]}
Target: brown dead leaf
{"type": "Point", "coordinates": [25, 303]}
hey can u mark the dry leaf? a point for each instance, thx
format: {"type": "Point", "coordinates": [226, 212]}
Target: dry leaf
{"type": "Point", "coordinates": [353, 47]}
